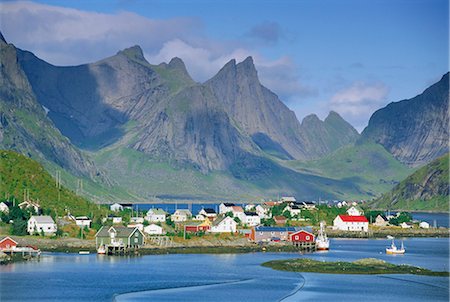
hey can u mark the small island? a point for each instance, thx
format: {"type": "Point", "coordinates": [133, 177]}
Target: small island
{"type": "Point", "coordinates": [367, 266]}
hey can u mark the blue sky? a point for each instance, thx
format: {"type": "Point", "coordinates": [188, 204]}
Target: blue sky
{"type": "Point", "coordinates": [351, 56]}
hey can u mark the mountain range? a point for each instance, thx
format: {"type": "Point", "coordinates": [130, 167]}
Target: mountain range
{"type": "Point", "coordinates": [152, 131]}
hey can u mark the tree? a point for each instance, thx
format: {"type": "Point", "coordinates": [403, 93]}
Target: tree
{"type": "Point", "coordinates": [229, 214]}
{"type": "Point", "coordinates": [238, 221]}
{"type": "Point", "coordinates": [19, 227]}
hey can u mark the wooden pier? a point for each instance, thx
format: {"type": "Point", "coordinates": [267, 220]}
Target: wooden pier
{"type": "Point", "coordinates": [305, 246]}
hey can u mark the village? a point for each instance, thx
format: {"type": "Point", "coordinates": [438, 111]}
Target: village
{"type": "Point", "coordinates": [285, 222]}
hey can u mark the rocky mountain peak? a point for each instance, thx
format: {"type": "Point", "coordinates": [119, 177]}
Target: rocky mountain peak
{"type": "Point", "coordinates": [311, 119]}
{"type": "Point", "coordinates": [247, 68]}
{"type": "Point", "coordinates": [2, 39]}
{"type": "Point", "coordinates": [134, 52]}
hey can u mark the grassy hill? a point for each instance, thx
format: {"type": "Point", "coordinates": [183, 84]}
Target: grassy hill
{"type": "Point", "coordinates": [368, 166]}
{"type": "Point", "coordinates": [19, 173]}
{"type": "Point", "coordinates": [425, 189]}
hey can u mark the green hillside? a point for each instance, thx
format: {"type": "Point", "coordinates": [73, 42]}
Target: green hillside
{"type": "Point", "coordinates": [368, 166]}
{"type": "Point", "coordinates": [19, 173]}
{"type": "Point", "coordinates": [425, 189]}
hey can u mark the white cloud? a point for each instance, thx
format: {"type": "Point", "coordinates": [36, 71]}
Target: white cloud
{"type": "Point", "coordinates": [357, 102]}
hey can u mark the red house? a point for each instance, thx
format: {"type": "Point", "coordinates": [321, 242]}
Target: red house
{"type": "Point", "coordinates": [7, 243]}
{"type": "Point", "coordinates": [301, 236]}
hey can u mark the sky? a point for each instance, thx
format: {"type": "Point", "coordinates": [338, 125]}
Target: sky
{"type": "Point", "coordinates": [350, 56]}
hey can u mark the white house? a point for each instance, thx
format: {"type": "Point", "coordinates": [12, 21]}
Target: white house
{"type": "Point", "coordinates": [210, 213]}
{"type": "Point", "coordinates": [380, 221]}
{"type": "Point", "coordinates": [156, 215]}
{"type": "Point", "coordinates": [351, 223]}
{"type": "Point", "coordinates": [353, 211]}
{"type": "Point", "coordinates": [251, 219]}
{"type": "Point", "coordinates": [181, 215]}
{"type": "Point", "coordinates": [4, 208]}
{"type": "Point", "coordinates": [238, 212]}
{"type": "Point", "coordinates": [83, 221]}
{"type": "Point", "coordinates": [294, 210]}
{"type": "Point", "coordinates": [153, 229]}
{"type": "Point", "coordinates": [405, 225]}
{"type": "Point", "coordinates": [28, 204]}
{"type": "Point", "coordinates": [137, 219]}
{"type": "Point", "coordinates": [226, 207]}
{"type": "Point", "coordinates": [424, 225]}
{"type": "Point", "coordinates": [38, 224]}
{"type": "Point", "coordinates": [263, 210]}
{"type": "Point", "coordinates": [116, 207]}
{"type": "Point", "coordinates": [224, 225]}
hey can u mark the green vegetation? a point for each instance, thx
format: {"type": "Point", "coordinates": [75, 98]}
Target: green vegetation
{"type": "Point", "coordinates": [368, 166]}
{"type": "Point", "coordinates": [425, 189]}
{"type": "Point", "coordinates": [368, 266]}
{"type": "Point", "coordinates": [19, 174]}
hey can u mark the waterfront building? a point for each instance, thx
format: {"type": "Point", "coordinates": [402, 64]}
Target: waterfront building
{"type": "Point", "coordinates": [424, 225]}
{"type": "Point", "coordinates": [119, 237]}
{"type": "Point", "coordinates": [39, 224]}
{"type": "Point", "coordinates": [223, 225]}
{"type": "Point", "coordinates": [351, 223]}
{"type": "Point", "coordinates": [301, 236]}
{"type": "Point", "coordinates": [7, 243]}
{"type": "Point", "coordinates": [380, 220]}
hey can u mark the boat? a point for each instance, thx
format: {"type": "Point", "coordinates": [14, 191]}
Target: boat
{"type": "Point", "coordinates": [393, 250]}
{"type": "Point", "coordinates": [84, 252]}
{"type": "Point", "coordinates": [322, 241]}
{"type": "Point", "coordinates": [390, 237]}
{"type": "Point", "coordinates": [101, 250]}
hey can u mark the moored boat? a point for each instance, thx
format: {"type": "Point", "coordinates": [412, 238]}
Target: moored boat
{"type": "Point", "coordinates": [322, 241]}
{"type": "Point", "coordinates": [101, 250]}
{"type": "Point", "coordinates": [394, 250]}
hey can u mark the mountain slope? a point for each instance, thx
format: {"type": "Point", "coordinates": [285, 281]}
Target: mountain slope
{"type": "Point", "coordinates": [18, 173]}
{"type": "Point", "coordinates": [425, 189]}
{"type": "Point", "coordinates": [415, 131]}
{"type": "Point", "coordinates": [24, 126]}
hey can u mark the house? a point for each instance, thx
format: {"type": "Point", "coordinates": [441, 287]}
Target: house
{"type": "Point", "coordinates": [249, 207]}
{"type": "Point", "coordinates": [225, 207]}
{"type": "Point", "coordinates": [424, 225]}
{"type": "Point", "coordinates": [39, 224]}
{"type": "Point", "coordinates": [119, 236]}
{"type": "Point", "coordinates": [181, 215]}
{"type": "Point", "coordinates": [307, 205]}
{"type": "Point", "coordinates": [137, 219]}
{"type": "Point", "coordinates": [251, 219]}
{"type": "Point", "coordinates": [140, 226]}
{"type": "Point", "coordinates": [301, 236]}
{"type": "Point", "coordinates": [116, 207]}
{"type": "Point", "coordinates": [28, 204]}
{"type": "Point", "coordinates": [280, 220]}
{"type": "Point", "coordinates": [238, 212]}
{"type": "Point", "coordinates": [4, 208]}
{"type": "Point", "coordinates": [405, 225]}
{"type": "Point", "coordinates": [83, 221]}
{"type": "Point", "coordinates": [156, 215]}
{"type": "Point", "coordinates": [223, 225]}
{"type": "Point", "coordinates": [271, 203]}
{"type": "Point", "coordinates": [380, 220]}
{"type": "Point", "coordinates": [7, 244]}
{"type": "Point", "coordinates": [354, 211]}
{"type": "Point", "coordinates": [128, 206]}
{"type": "Point", "coordinates": [198, 226]}
{"type": "Point", "coordinates": [263, 233]}
{"type": "Point", "coordinates": [154, 229]}
{"type": "Point", "coordinates": [115, 219]}
{"type": "Point", "coordinates": [288, 199]}
{"type": "Point", "coordinates": [208, 212]}
{"type": "Point", "coordinates": [263, 211]}
{"type": "Point", "coordinates": [293, 209]}
{"type": "Point", "coordinates": [351, 223]}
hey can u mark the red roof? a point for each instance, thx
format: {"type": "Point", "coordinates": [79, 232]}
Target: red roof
{"type": "Point", "coordinates": [348, 218]}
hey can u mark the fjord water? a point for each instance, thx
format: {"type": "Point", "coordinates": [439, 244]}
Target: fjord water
{"type": "Point", "coordinates": [228, 277]}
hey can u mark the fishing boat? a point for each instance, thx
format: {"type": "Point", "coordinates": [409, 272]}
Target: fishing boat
{"type": "Point", "coordinates": [322, 241]}
{"type": "Point", "coordinates": [394, 250]}
{"type": "Point", "coordinates": [101, 250]}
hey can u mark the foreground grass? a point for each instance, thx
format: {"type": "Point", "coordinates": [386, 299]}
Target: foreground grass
{"type": "Point", "coordinates": [368, 266]}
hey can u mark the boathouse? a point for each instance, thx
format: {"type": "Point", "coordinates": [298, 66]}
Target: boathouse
{"type": "Point", "coordinates": [303, 239]}
{"type": "Point", "coordinates": [119, 239]}
{"type": "Point", "coordinates": [7, 243]}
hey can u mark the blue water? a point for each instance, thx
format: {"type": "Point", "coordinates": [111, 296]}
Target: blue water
{"type": "Point", "coordinates": [229, 277]}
